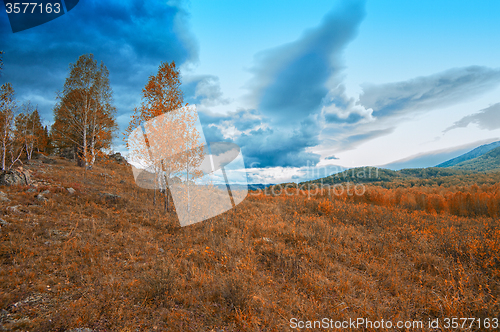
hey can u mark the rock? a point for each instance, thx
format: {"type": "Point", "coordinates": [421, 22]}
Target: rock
{"type": "Point", "coordinates": [14, 209]}
{"type": "Point", "coordinates": [267, 240]}
{"type": "Point", "coordinates": [40, 197]}
{"type": "Point", "coordinates": [118, 158]}
{"type": "Point", "coordinates": [122, 181]}
{"type": "Point", "coordinates": [15, 177]}
{"type": "Point", "coordinates": [80, 329]}
{"type": "Point", "coordinates": [109, 197]}
{"type": "Point", "coordinates": [71, 190]}
{"type": "Point", "coordinates": [4, 223]}
{"type": "Point", "coordinates": [3, 197]}
{"type": "Point", "coordinates": [31, 190]}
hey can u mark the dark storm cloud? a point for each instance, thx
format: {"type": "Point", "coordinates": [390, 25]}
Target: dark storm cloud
{"type": "Point", "coordinates": [130, 37]}
{"type": "Point", "coordinates": [290, 80]}
{"type": "Point", "coordinates": [290, 85]}
{"type": "Point", "coordinates": [265, 147]}
{"type": "Point", "coordinates": [272, 148]}
{"type": "Point", "coordinates": [425, 93]}
{"type": "Point", "coordinates": [488, 118]}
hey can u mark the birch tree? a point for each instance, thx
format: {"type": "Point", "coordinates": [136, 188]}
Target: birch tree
{"type": "Point", "coordinates": [29, 131]}
{"type": "Point", "coordinates": [161, 95]}
{"type": "Point", "coordinates": [7, 109]}
{"type": "Point", "coordinates": [84, 116]}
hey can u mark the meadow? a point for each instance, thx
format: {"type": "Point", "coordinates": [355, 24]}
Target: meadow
{"type": "Point", "coordinates": [119, 263]}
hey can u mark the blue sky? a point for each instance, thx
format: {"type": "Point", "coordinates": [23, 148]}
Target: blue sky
{"type": "Point", "coordinates": [301, 88]}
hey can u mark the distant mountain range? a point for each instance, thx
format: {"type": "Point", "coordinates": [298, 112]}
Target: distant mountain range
{"type": "Point", "coordinates": [466, 168]}
{"type": "Point", "coordinates": [468, 161]}
{"type": "Point", "coordinates": [487, 162]}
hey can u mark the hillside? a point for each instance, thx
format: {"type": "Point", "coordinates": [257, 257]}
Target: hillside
{"type": "Point", "coordinates": [480, 150]}
{"type": "Point", "coordinates": [89, 251]}
{"type": "Point", "coordinates": [489, 161]}
{"type": "Point", "coordinates": [432, 176]}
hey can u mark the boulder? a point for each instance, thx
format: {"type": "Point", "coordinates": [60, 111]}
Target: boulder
{"type": "Point", "coordinates": [15, 177]}
{"type": "Point", "coordinates": [118, 158]}
{"type": "Point", "coordinates": [109, 197]}
{"type": "Point", "coordinates": [14, 209]}
{"type": "Point", "coordinates": [41, 196]}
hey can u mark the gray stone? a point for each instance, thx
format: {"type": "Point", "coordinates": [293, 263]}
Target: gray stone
{"type": "Point", "coordinates": [31, 190]}
{"type": "Point", "coordinates": [15, 177]}
{"type": "Point", "coordinates": [40, 197]}
{"type": "Point", "coordinates": [3, 197]}
{"type": "Point", "coordinates": [14, 209]}
{"type": "Point", "coordinates": [110, 197]}
{"type": "Point", "coordinates": [4, 223]}
{"type": "Point", "coordinates": [118, 158]}
{"type": "Point", "coordinates": [71, 190]}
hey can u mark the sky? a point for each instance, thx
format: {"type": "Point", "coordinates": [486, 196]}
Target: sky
{"type": "Point", "coordinates": [304, 89]}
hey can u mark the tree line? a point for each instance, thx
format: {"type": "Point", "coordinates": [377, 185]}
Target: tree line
{"type": "Point", "coordinates": [21, 129]}
{"type": "Point", "coordinates": [84, 115]}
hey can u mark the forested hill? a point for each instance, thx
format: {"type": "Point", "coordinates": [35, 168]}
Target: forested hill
{"type": "Point", "coordinates": [411, 177]}
{"type": "Point", "coordinates": [489, 161]}
{"type": "Point", "coordinates": [477, 152]}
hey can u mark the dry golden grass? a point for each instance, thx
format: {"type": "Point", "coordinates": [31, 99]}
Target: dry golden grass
{"type": "Point", "coordinates": [82, 260]}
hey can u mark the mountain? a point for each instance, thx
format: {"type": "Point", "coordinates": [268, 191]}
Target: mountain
{"type": "Point", "coordinates": [489, 161]}
{"type": "Point", "coordinates": [468, 173]}
{"type": "Point", "coordinates": [477, 152]}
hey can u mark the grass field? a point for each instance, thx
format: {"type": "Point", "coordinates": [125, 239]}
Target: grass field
{"type": "Point", "coordinates": [86, 260]}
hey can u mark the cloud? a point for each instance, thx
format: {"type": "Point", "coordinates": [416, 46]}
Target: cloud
{"type": "Point", "coordinates": [488, 118]}
{"type": "Point", "coordinates": [331, 158]}
{"type": "Point", "coordinates": [290, 81]}
{"type": "Point", "coordinates": [427, 92]}
{"type": "Point", "coordinates": [340, 109]}
{"type": "Point", "coordinates": [131, 38]}
{"type": "Point", "coordinates": [203, 90]}
{"type": "Point", "coordinates": [262, 145]}
{"type": "Point", "coordinates": [289, 87]}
